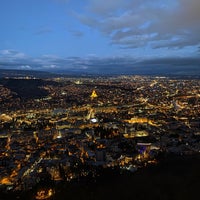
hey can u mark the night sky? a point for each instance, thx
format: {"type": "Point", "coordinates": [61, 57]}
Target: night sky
{"type": "Point", "coordinates": [83, 34]}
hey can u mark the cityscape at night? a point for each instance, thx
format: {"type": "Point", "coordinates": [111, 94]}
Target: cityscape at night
{"type": "Point", "coordinates": [99, 100]}
{"type": "Point", "coordinates": [72, 129]}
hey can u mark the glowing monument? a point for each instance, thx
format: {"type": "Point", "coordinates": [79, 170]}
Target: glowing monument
{"type": "Point", "coordinates": [93, 95]}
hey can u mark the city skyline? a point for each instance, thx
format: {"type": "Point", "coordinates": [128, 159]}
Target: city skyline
{"type": "Point", "coordinates": [55, 35]}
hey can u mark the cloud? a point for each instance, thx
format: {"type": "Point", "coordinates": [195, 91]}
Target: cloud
{"type": "Point", "coordinates": [15, 60]}
{"type": "Point", "coordinates": [137, 23]}
{"type": "Point", "coordinates": [99, 65]}
{"type": "Point", "coordinates": [9, 53]}
{"type": "Point", "coordinates": [51, 66]}
{"type": "Point", "coordinates": [25, 67]}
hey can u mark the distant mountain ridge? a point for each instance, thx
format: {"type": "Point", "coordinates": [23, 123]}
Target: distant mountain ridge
{"type": "Point", "coordinates": [11, 73]}
{"type": "Point", "coordinates": [108, 70]}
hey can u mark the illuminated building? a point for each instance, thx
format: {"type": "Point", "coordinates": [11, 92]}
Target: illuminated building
{"type": "Point", "coordinates": [93, 95]}
{"type": "Point", "coordinates": [143, 149]}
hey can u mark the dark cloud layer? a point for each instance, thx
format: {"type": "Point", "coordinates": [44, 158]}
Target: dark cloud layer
{"type": "Point", "coordinates": [10, 59]}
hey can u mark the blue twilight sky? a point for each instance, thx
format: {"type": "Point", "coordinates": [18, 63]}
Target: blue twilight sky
{"type": "Point", "coordinates": [62, 34]}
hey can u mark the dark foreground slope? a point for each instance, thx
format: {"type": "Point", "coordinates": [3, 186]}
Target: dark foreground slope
{"type": "Point", "coordinates": [27, 88]}
{"type": "Point", "coordinates": [174, 178]}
